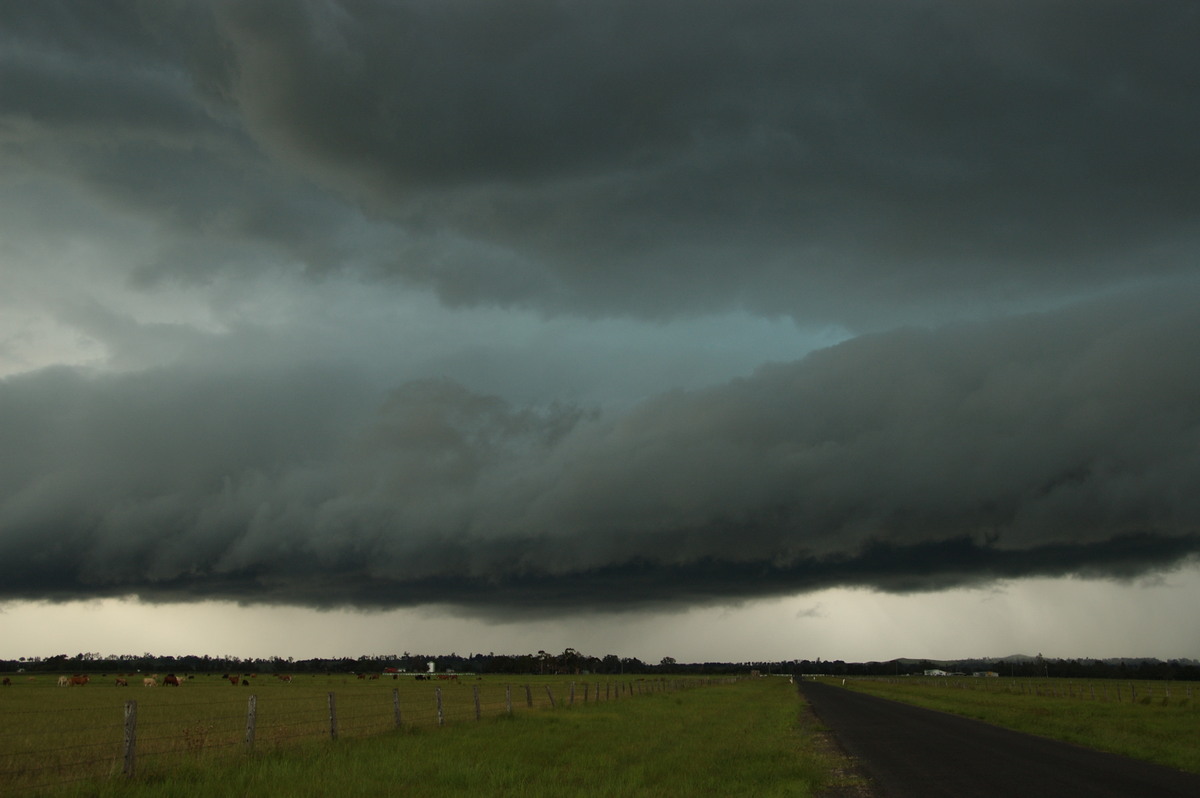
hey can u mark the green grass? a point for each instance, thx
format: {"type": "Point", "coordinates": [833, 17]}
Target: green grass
{"type": "Point", "coordinates": [1154, 728]}
{"type": "Point", "coordinates": [742, 739]}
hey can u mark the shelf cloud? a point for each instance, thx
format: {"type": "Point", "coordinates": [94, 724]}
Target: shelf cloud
{"type": "Point", "coordinates": [567, 306]}
{"type": "Point", "coordinates": [1047, 444]}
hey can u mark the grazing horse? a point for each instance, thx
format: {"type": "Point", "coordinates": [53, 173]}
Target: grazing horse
{"type": "Point", "coordinates": [171, 680]}
{"type": "Point", "coordinates": [78, 680]}
{"type": "Point", "coordinates": [149, 681]}
{"type": "Point", "coordinates": [7, 681]}
{"type": "Point", "coordinates": [245, 683]}
{"type": "Point", "coordinates": [233, 680]}
{"type": "Point", "coordinates": [63, 681]}
{"type": "Point", "coordinates": [122, 683]}
{"type": "Point", "coordinates": [285, 678]}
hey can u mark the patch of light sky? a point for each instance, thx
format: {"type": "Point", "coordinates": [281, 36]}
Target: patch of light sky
{"type": "Point", "coordinates": [1089, 618]}
{"type": "Point", "coordinates": [397, 335]}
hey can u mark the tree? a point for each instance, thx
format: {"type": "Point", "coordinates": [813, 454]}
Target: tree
{"type": "Point", "coordinates": [568, 661]}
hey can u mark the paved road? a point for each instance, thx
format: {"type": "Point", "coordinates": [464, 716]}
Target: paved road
{"type": "Point", "coordinates": [913, 752]}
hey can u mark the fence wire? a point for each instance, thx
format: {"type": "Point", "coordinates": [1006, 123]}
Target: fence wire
{"type": "Point", "coordinates": [60, 745]}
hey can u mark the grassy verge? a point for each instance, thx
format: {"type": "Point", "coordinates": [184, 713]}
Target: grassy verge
{"type": "Point", "coordinates": [1161, 731]}
{"type": "Point", "coordinates": [743, 739]}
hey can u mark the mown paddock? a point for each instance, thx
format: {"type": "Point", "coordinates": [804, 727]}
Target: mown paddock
{"type": "Point", "coordinates": [1156, 721]}
{"type": "Point", "coordinates": [1138, 691]}
{"type": "Point", "coordinates": [55, 736]}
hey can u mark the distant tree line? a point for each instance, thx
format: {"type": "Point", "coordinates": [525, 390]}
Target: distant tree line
{"type": "Point", "coordinates": [1119, 668]}
{"type": "Point", "coordinates": [570, 661]}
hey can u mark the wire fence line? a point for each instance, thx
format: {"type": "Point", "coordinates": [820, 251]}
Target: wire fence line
{"type": "Point", "coordinates": [150, 737]}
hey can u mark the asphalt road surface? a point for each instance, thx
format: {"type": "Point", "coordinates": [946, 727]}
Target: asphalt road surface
{"type": "Point", "coordinates": [919, 753]}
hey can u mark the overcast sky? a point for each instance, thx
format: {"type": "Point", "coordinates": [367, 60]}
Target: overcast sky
{"type": "Point", "coordinates": [856, 329]}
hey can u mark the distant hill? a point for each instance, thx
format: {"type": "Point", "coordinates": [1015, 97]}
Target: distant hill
{"type": "Point", "coordinates": [1183, 669]}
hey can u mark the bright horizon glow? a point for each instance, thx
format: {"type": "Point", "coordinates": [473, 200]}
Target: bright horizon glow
{"type": "Point", "coordinates": [1058, 618]}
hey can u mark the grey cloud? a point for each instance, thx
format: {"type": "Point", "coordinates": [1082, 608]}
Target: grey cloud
{"type": "Point", "coordinates": [917, 459]}
{"type": "Point", "coordinates": [95, 71]}
{"type": "Point", "coordinates": [659, 157]}
{"type": "Point", "coordinates": [863, 163]}
{"type": "Point", "coordinates": [106, 113]}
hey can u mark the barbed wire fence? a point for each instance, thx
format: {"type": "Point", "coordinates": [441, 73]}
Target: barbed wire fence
{"type": "Point", "coordinates": [143, 739]}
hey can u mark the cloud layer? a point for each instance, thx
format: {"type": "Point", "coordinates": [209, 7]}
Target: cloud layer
{"type": "Point", "coordinates": [857, 162]}
{"type": "Point", "coordinates": [224, 223]}
{"type": "Point", "coordinates": [1043, 444]}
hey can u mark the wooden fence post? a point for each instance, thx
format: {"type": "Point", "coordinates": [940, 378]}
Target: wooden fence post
{"type": "Point", "coordinates": [441, 714]}
{"type": "Point", "coordinates": [571, 702]}
{"type": "Point", "coordinates": [528, 696]}
{"type": "Point", "coordinates": [251, 720]}
{"type": "Point", "coordinates": [477, 713]}
{"type": "Point", "coordinates": [508, 698]}
{"type": "Point", "coordinates": [552, 704]}
{"type": "Point", "coordinates": [130, 737]}
{"type": "Point", "coordinates": [332, 717]}
{"type": "Point", "coordinates": [396, 705]}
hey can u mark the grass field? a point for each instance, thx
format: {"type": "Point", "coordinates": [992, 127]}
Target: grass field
{"type": "Point", "coordinates": [650, 738]}
{"type": "Point", "coordinates": [1154, 721]}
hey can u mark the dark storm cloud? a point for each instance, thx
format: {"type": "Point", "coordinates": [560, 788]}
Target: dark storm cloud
{"type": "Point", "coordinates": [109, 104]}
{"type": "Point", "coordinates": [860, 162]}
{"type": "Point", "coordinates": [917, 459]}
{"type": "Point", "coordinates": [665, 156]}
